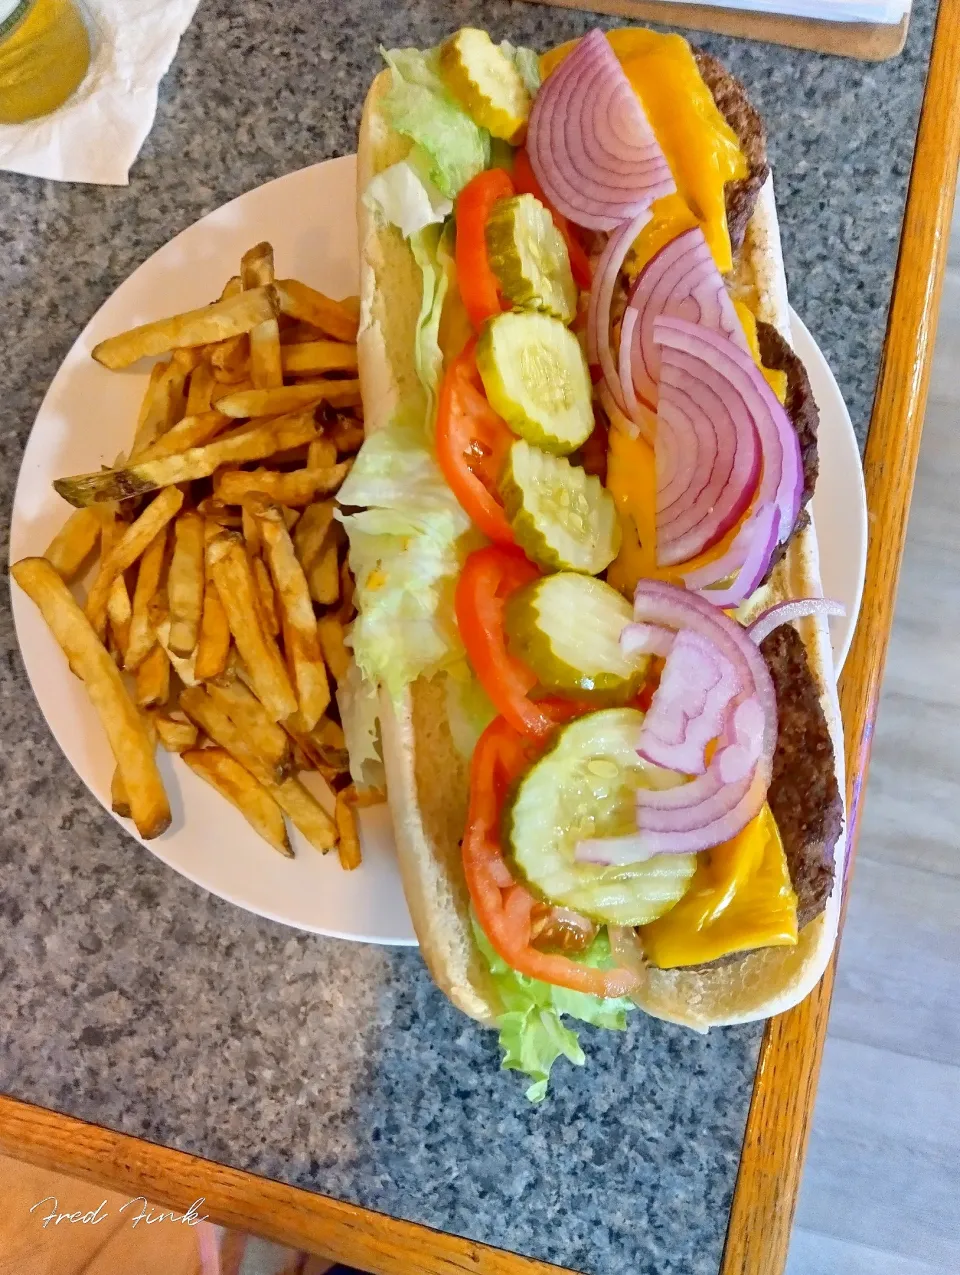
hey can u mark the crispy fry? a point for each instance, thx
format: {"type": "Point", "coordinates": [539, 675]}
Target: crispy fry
{"type": "Point", "coordinates": [221, 391]}
{"type": "Point", "coordinates": [124, 726]}
{"type": "Point", "coordinates": [348, 845]}
{"type": "Point", "coordinates": [119, 614]}
{"type": "Point", "coordinates": [175, 736]}
{"type": "Point", "coordinates": [266, 597]}
{"type": "Point", "coordinates": [185, 582]}
{"type": "Point", "coordinates": [232, 288]}
{"type": "Point", "coordinates": [74, 542]}
{"type": "Point", "coordinates": [256, 266]}
{"type": "Point", "coordinates": [266, 369]}
{"type": "Point", "coordinates": [218, 516]}
{"type": "Point", "coordinates": [289, 398]}
{"type": "Point", "coordinates": [335, 653]}
{"type": "Point", "coordinates": [318, 356]}
{"type": "Point", "coordinates": [229, 778]}
{"type": "Point", "coordinates": [321, 453]}
{"type": "Point", "coordinates": [212, 718]}
{"type": "Point", "coordinates": [198, 462]}
{"type": "Point", "coordinates": [306, 814]}
{"type": "Point", "coordinates": [299, 622]}
{"type": "Point", "coordinates": [191, 431]}
{"type": "Point", "coordinates": [363, 798]}
{"type": "Point", "coordinates": [324, 576]}
{"type": "Point", "coordinates": [153, 679]}
{"type": "Point", "coordinates": [293, 332]}
{"type": "Point", "coordinates": [346, 435]}
{"type": "Point", "coordinates": [311, 532]}
{"type": "Point", "coordinates": [243, 708]}
{"type": "Point", "coordinates": [310, 306]}
{"type": "Point", "coordinates": [251, 529]}
{"type": "Point", "coordinates": [300, 487]}
{"type": "Point", "coordinates": [234, 579]}
{"type": "Point", "coordinates": [348, 588]}
{"type": "Point", "coordinates": [205, 326]}
{"type": "Point", "coordinates": [200, 389]}
{"type": "Point", "coordinates": [142, 637]}
{"type": "Point", "coordinates": [213, 647]}
{"type": "Point", "coordinates": [230, 359]}
{"type": "Point", "coordinates": [128, 549]}
{"type": "Point", "coordinates": [119, 801]}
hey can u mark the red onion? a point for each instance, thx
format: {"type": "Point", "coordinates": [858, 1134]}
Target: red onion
{"type": "Point", "coordinates": [690, 706]}
{"type": "Point", "coordinates": [749, 556]}
{"type": "Point", "coordinates": [646, 639]}
{"type": "Point", "coordinates": [591, 145]}
{"type": "Point", "coordinates": [719, 803]}
{"type": "Point", "coordinates": [680, 282]}
{"type": "Point", "coordinates": [784, 612]}
{"type": "Point", "coordinates": [601, 301]}
{"type": "Point", "coordinates": [644, 424]}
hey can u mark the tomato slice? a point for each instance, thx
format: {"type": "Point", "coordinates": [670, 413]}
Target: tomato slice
{"type": "Point", "coordinates": [488, 578]}
{"type": "Point", "coordinates": [479, 287]}
{"type": "Point", "coordinates": [525, 180]}
{"type": "Point", "coordinates": [503, 907]}
{"type": "Point", "coordinates": [472, 445]}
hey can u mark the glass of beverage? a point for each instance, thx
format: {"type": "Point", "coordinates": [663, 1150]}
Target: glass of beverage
{"type": "Point", "coordinates": [44, 54]}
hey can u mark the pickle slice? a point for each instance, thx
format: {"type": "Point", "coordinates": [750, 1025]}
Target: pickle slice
{"type": "Point", "coordinates": [567, 628]}
{"type": "Point", "coordinates": [585, 786]}
{"type": "Point", "coordinates": [562, 517]}
{"type": "Point", "coordinates": [536, 377]}
{"type": "Point", "coordinates": [528, 255]}
{"type": "Point", "coordinates": [485, 82]}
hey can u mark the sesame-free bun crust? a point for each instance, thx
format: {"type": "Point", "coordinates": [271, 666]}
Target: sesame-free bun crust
{"type": "Point", "coordinates": [427, 778]}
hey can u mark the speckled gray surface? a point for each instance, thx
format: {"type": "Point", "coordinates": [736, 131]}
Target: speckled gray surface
{"type": "Point", "coordinates": [135, 1000]}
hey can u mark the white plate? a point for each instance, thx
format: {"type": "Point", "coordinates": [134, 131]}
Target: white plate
{"type": "Point", "coordinates": [87, 417]}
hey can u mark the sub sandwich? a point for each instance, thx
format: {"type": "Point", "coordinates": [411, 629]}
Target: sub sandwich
{"type": "Point", "coordinates": [590, 615]}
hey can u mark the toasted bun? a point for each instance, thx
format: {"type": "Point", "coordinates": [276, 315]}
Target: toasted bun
{"type": "Point", "coordinates": [427, 777]}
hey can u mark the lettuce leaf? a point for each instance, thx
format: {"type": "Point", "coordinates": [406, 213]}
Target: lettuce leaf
{"type": "Point", "coordinates": [468, 707]}
{"type": "Point", "coordinates": [402, 198]}
{"type": "Point", "coordinates": [406, 550]}
{"type": "Point", "coordinates": [532, 1036]}
{"type": "Point", "coordinates": [527, 62]}
{"type": "Point", "coordinates": [433, 251]}
{"type": "Point", "coordinates": [359, 707]}
{"type": "Point", "coordinates": [420, 107]}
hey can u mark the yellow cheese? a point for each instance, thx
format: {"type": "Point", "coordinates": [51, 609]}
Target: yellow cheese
{"type": "Point", "coordinates": [776, 379]}
{"type": "Point", "coordinates": [701, 147]}
{"type": "Point", "coordinates": [740, 899]}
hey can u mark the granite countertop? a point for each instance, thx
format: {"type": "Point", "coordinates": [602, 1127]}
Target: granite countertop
{"type": "Point", "coordinates": [136, 1000]}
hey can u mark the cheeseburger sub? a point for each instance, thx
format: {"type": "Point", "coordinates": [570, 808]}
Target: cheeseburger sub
{"type": "Point", "coordinates": [590, 615]}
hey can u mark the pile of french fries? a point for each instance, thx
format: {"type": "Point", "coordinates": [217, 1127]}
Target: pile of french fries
{"type": "Point", "coordinates": [214, 624]}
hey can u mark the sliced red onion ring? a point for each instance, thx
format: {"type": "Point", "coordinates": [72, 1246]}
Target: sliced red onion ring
{"type": "Point", "coordinates": [690, 707]}
{"type": "Point", "coordinates": [601, 302]}
{"type": "Point", "coordinates": [784, 612]}
{"type": "Point", "coordinates": [716, 805]}
{"type": "Point", "coordinates": [646, 639]}
{"type": "Point", "coordinates": [749, 556]}
{"type": "Point", "coordinates": [680, 282]}
{"type": "Point", "coordinates": [590, 143]}
{"type": "Point", "coordinates": [644, 425]}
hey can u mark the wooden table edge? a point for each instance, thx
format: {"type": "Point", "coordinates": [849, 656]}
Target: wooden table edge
{"type": "Point", "coordinates": [781, 1109]}
{"type": "Point", "coordinates": [778, 1123]}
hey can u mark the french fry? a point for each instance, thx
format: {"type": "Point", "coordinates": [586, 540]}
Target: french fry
{"type": "Point", "coordinates": [129, 741]}
{"type": "Point", "coordinates": [324, 576]}
{"type": "Point", "coordinates": [243, 708]}
{"type": "Point", "coordinates": [310, 306]}
{"type": "Point", "coordinates": [346, 435]}
{"type": "Point", "coordinates": [221, 390]}
{"type": "Point", "coordinates": [235, 583]}
{"type": "Point", "coordinates": [321, 453]}
{"type": "Point", "coordinates": [364, 798]}
{"type": "Point", "coordinates": [197, 462]}
{"type": "Point", "coordinates": [218, 516]}
{"type": "Point", "coordinates": [293, 332]}
{"type": "Point", "coordinates": [119, 613]}
{"type": "Point", "coordinates": [74, 542]}
{"type": "Point", "coordinates": [191, 431]}
{"type": "Point", "coordinates": [232, 288]}
{"type": "Point", "coordinates": [153, 679]}
{"type": "Point", "coordinates": [119, 801]}
{"type": "Point", "coordinates": [299, 622]}
{"type": "Point", "coordinates": [348, 844]}
{"type": "Point", "coordinates": [251, 529]}
{"type": "Point", "coordinates": [199, 390]}
{"type": "Point", "coordinates": [352, 307]}
{"type": "Point", "coordinates": [166, 401]}
{"type": "Point", "coordinates": [229, 778]}
{"type": "Point", "coordinates": [311, 532]}
{"type": "Point", "coordinates": [348, 588]}
{"type": "Point", "coordinates": [213, 647]}
{"type": "Point", "coordinates": [299, 487]}
{"type": "Point", "coordinates": [306, 814]}
{"type": "Point", "coordinates": [185, 582]}
{"type": "Point", "coordinates": [266, 368]}
{"type": "Point", "coordinates": [256, 266]}
{"type": "Point", "coordinates": [142, 637]}
{"type": "Point", "coordinates": [265, 597]}
{"type": "Point", "coordinates": [311, 357]}
{"type": "Point", "coordinates": [230, 359]}
{"type": "Point", "coordinates": [128, 549]}
{"type": "Point", "coordinates": [289, 398]}
{"type": "Point", "coordinates": [210, 324]}
{"type": "Point", "coordinates": [335, 653]}
{"type": "Point", "coordinates": [175, 736]}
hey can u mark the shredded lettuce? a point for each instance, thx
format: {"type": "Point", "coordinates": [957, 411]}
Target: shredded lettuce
{"type": "Point", "coordinates": [420, 107]}
{"type": "Point", "coordinates": [527, 62]}
{"type": "Point", "coordinates": [469, 710]}
{"type": "Point", "coordinates": [406, 550]}
{"type": "Point", "coordinates": [402, 198]}
{"type": "Point", "coordinates": [359, 707]}
{"type": "Point", "coordinates": [532, 1036]}
{"type": "Point", "coordinates": [433, 251]}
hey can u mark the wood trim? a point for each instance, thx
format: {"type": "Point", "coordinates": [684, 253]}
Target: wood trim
{"type": "Point", "coordinates": [870, 41]}
{"type": "Point", "coordinates": [231, 1197]}
{"type": "Point", "coordinates": [778, 1125]}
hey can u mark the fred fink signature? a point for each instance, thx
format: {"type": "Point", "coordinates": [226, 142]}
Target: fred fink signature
{"type": "Point", "coordinates": [147, 1213]}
